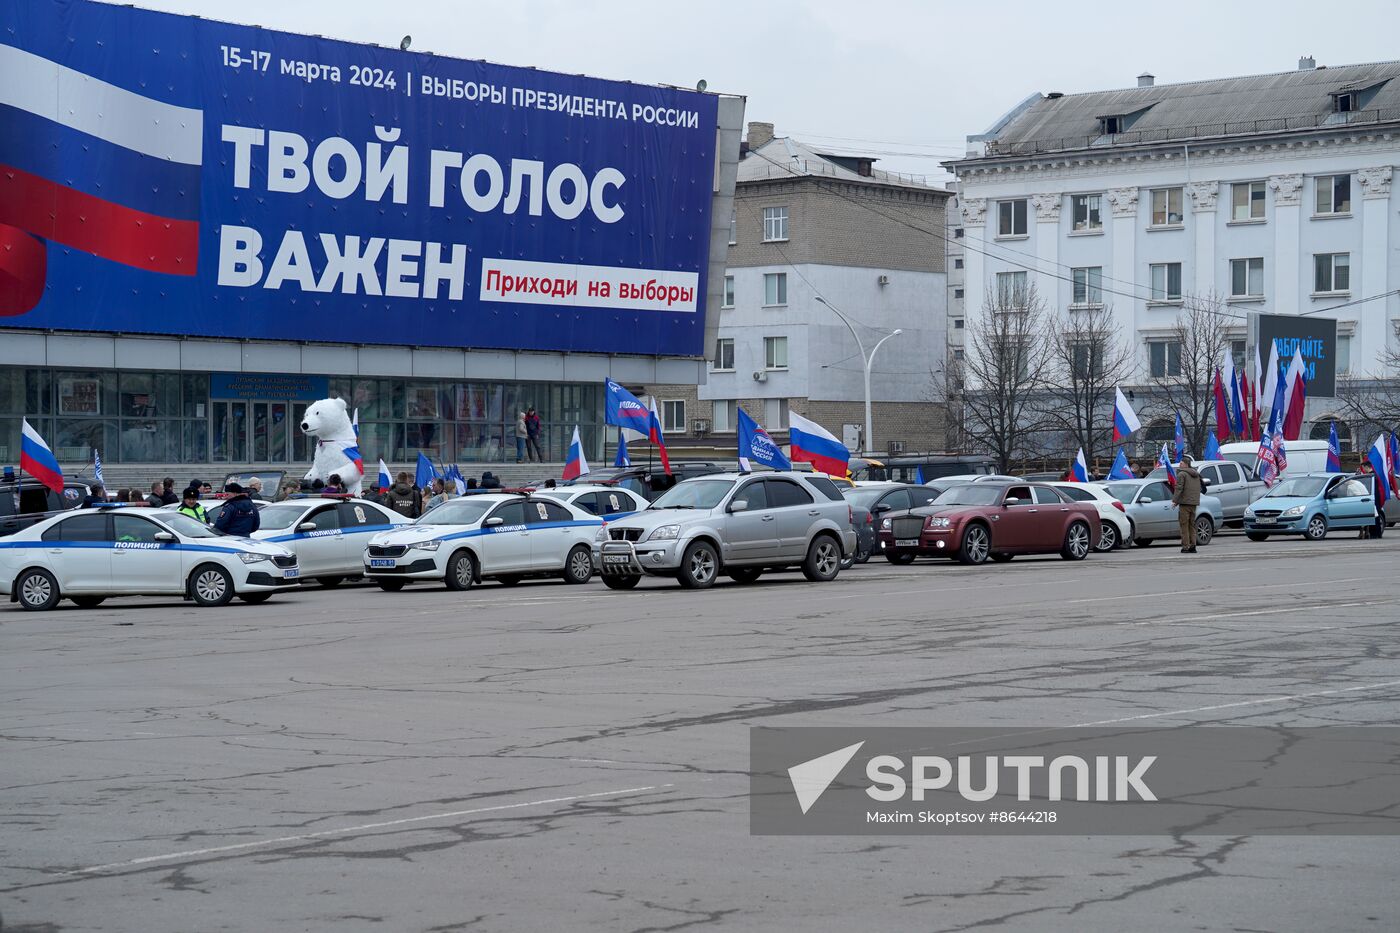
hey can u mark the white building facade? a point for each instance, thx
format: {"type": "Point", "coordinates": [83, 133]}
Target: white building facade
{"type": "Point", "coordinates": [1272, 192]}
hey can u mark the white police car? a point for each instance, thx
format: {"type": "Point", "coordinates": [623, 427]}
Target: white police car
{"type": "Point", "coordinates": [607, 502]}
{"type": "Point", "coordinates": [89, 555]}
{"type": "Point", "coordinates": [507, 537]}
{"type": "Point", "coordinates": [328, 534]}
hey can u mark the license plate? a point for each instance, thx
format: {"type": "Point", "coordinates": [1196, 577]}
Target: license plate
{"type": "Point", "coordinates": [1263, 521]}
{"type": "Point", "coordinates": [381, 562]}
{"type": "Point", "coordinates": [290, 574]}
{"type": "Point", "coordinates": [907, 542]}
{"type": "Point", "coordinates": [616, 559]}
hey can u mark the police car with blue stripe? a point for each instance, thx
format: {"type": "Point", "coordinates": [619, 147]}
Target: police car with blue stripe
{"type": "Point", "coordinates": [607, 502]}
{"type": "Point", "coordinates": [505, 537]}
{"type": "Point", "coordinates": [91, 554]}
{"type": "Point", "coordinates": [327, 533]}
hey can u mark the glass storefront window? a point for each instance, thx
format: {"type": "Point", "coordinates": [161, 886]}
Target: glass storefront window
{"type": "Point", "coordinates": [149, 395]}
{"type": "Point", "coordinates": [196, 446]}
{"type": "Point", "coordinates": [422, 401]}
{"type": "Point", "coordinates": [12, 391]}
{"type": "Point", "coordinates": [150, 441]}
{"type": "Point", "coordinates": [38, 391]}
{"type": "Point", "coordinates": [92, 393]}
{"type": "Point", "coordinates": [378, 399]}
{"type": "Point", "coordinates": [195, 393]}
{"type": "Point", "coordinates": [75, 438]}
{"type": "Point", "coordinates": [432, 438]}
{"type": "Point", "coordinates": [9, 440]}
{"type": "Point", "coordinates": [481, 441]}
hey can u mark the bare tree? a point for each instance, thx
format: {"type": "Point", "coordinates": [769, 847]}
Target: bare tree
{"type": "Point", "coordinates": [1200, 342]}
{"type": "Point", "coordinates": [1089, 358]}
{"type": "Point", "coordinates": [1372, 401]}
{"type": "Point", "coordinates": [1007, 358]}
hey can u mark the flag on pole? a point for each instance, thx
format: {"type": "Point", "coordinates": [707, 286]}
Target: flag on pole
{"type": "Point", "coordinates": [1212, 448]}
{"type": "Point", "coordinates": [1078, 468]}
{"type": "Point", "coordinates": [625, 410]}
{"type": "Point", "coordinates": [355, 422]}
{"type": "Point", "coordinates": [97, 468]}
{"type": "Point", "coordinates": [1271, 442]}
{"type": "Point", "coordinates": [1270, 386]}
{"type": "Point", "coordinates": [1222, 414]}
{"type": "Point", "coordinates": [622, 460]}
{"type": "Point", "coordinates": [36, 459]}
{"type": "Point", "coordinates": [1228, 384]}
{"type": "Point", "coordinates": [814, 444]}
{"type": "Point", "coordinates": [1379, 458]}
{"type": "Point", "coordinates": [1247, 393]}
{"type": "Point", "coordinates": [1164, 460]}
{"type": "Point", "coordinates": [575, 464]}
{"type": "Point", "coordinates": [384, 481]}
{"type": "Point", "coordinates": [1179, 438]}
{"type": "Point", "coordinates": [1120, 469]}
{"type": "Point", "coordinates": [459, 481]}
{"type": "Point", "coordinates": [1394, 464]}
{"type": "Point", "coordinates": [755, 444]}
{"type": "Point", "coordinates": [1295, 397]}
{"type": "Point", "coordinates": [656, 437]}
{"type": "Point", "coordinates": [423, 476]}
{"type": "Point", "coordinates": [1125, 420]}
{"type": "Point", "coordinates": [1334, 450]}
{"type": "Point", "coordinates": [1236, 403]}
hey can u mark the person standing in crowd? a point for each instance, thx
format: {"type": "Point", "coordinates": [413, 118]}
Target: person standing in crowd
{"type": "Point", "coordinates": [1186, 499]}
{"type": "Point", "coordinates": [471, 483]}
{"type": "Point", "coordinates": [206, 488]}
{"type": "Point", "coordinates": [401, 497]}
{"type": "Point", "coordinates": [522, 433]}
{"type": "Point", "coordinates": [255, 491]}
{"type": "Point", "coordinates": [168, 491]}
{"type": "Point", "coordinates": [335, 487]}
{"type": "Point", "coordinates": [96, 496]}
{"type": "Point", "coordinates": [489, 481]}
{"type": "Point", "coordinates": [532, 435]}
{"type": "Point", "coordinates": [189, 505]}
{"type": "Point", "coordinates": [1377, 529]}
{"type": "Point", "coordinates": [157, 497]}
{"type": "Point", "coordinates": [436, 494]}
{"type": "Point", "coordinates": [239, 516]}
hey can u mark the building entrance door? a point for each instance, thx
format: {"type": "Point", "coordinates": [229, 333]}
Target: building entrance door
{"type": "Point", "coordinates": [253, 431]}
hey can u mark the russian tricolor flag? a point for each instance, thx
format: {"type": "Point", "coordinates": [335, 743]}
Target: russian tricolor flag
{"type": "Point", "coordinates": [1125, 420]}
{"type": "Point", "coordinates": [37, 460]}
{"type": "Point", "coordinates": [1164, 460]}
{"type": "Point", "coordinates": [1079, 470]}
{"type": "Point", "coordinates": [384, 481]}
{"type": "Point", "coordinates": [575, 465]}
{"type": "Point", "coordinates": [1379, 458]}
{"type": "Point", "coordinates": [814, 444]}
{"type": "Point", "coordinates": [93, 167]}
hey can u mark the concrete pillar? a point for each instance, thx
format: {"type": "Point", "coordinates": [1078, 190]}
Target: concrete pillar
{"type": "Point", "coordinates": [1123, 232]}
{"type": "Point", "coordinates": [1373, 325]}
{"type": "Point", "coordinates": [1205, 197]}
{"type": "Point", "coordinates": [1291, 284]}
{"type": "Point", "coordinates": [1047, 248]}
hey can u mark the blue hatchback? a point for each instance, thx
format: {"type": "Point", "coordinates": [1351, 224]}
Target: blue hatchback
{"type": "Point", "coordinates": [1310, 505]}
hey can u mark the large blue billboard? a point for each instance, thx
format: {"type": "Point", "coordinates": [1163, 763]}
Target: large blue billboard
{"type": "Point", "coordinates": [168, 174]}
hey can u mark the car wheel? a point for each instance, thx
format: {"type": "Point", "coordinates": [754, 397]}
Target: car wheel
{"type": "Point", "coordinates": [1205, 530]}
{"type": "Point", "coordinates": [745, 574]}
{"type": "Point", "coordinates": [330, 582]}
{"type": "Point", "coordinates": [254, 599]}
{"type": "Point", "coordinates": [896, 557]}
{"type": "Point", "coordinates": [823, 561]}
{"type": "Point", "coordinates": [699, 566]}
{"type": "Point", "coordinates": [461, 571]}
{"type": "Point", "coordinates": [578, 568]}
{"type": "Point", "coordinates": [391, 586]}
{"type": "Point", "coordinates": [88, 602]}
{"type": "Point", "coordinates": [210, 585]}
{"type": "Point", "coordinates": [508, 579]}
{"type": "Point", "coordinates": [1001, 557]}
{"type": "Point", "coordinates": [1143, 542]}
{"type": "Point", "coordinates": [1108, 536]}
{"type": "Point", "coordinates": [976, 545]}
{"type": "Point", "coordinates": [863, 554]}
{"type": "Point", "coordinates": [621, 582]}
{"type": "Point", "coordinates": [37, 589]}
{"type": "Point", "coordinates": [1077, 542]}
{"type": "Point", "coordinates": [1317, 528]}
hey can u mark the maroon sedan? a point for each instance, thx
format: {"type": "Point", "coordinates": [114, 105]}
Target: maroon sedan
{"type": "Point", "coordinates": [998, 520]}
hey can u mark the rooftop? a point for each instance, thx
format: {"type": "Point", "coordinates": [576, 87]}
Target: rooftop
{"type": "Point", "coordinates": [784, 157]}
{"type": "Point", "coordinates": [1305, 99]}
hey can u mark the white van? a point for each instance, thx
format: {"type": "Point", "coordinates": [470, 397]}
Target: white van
{"type": "Point", "coordinates": [1303, 456]}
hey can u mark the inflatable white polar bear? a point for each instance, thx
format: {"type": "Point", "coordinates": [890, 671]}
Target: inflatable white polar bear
{"type": "Point", "coordinates": [337, 447]}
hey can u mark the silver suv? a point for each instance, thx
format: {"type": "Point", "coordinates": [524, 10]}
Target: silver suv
{"type": "Point", "coordinates": [738, 524]}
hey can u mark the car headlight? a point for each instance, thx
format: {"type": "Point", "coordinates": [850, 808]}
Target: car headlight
{"type": "Point", "coordinates": [937, 522]}
{"type": "Point", "coordinates": [885, 524]}
{"type": "Point", "coordinates": [254, 558]}
{"type": "Point", "coordinates": [431, 545]}
{"type": "Point", "coordinates": [601, 535]}
{"type": "Point", "coordinates": [1293, 512]}
{"type": "Point", "coordinates": [665, 533]}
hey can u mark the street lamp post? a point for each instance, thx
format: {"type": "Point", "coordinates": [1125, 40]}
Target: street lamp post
{"type": "Point", "coordinates": [869, 359]}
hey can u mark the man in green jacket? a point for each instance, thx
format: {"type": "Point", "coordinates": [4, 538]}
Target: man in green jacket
{"type": "Point", "coordinates": [189, 505]}
{"type": "Point", "coordinates": [1186, 498]}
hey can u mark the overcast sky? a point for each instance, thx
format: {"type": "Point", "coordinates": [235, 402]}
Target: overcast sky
{"type": "Point", "coordinates": [904, 79]}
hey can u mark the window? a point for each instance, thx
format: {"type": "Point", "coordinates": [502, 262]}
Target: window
{"type": "Point", "coordinates": [724, 354]}
{"type": "Point", "coordinates": [957, 293]}
{"type": "Point", "coordinates": [1343, 353]}
{"type": "Point", "coordinates": [774, 288]}
{"type": "Point", "coordinates": [1088, 285]}
{"type": "Point", "coordinates": [728, 292]}
{"type": "Point", "coordinates": [1011, 218]}
{"type": "Point", "coordinates": [959, 323]}
{"type": "Point", "coordinates": [1230, 473]}
{"type": "Point", "coordinates": [775, 413]}
{"type": "Point", "coordinates": [1166, 207]}
{"type": "Point", "coordinates": [957, 263]}
{"type": "Point", "coordinates": [1164, 357]}
{"type": "Point", "coordinates": [1237, 353]}
{"type": "Point", "coordinates": [1011, 289]}
{"type": "Point", "coordinates": [132, 529]}
{"type": "Point", "coordinates": [510, 513]}
{"type": "Point", "coordinates": [1166, 281]}
{"type": "Point", "coordinates": [959, 354]}
{"type": "Point", "coordinates": [775, 352]}
{"type": "Point", "coordinates": [1247, 278]}
{"type": "Point", "coordinates": [325, 520]}
{"type": "Point", "coordinates": [775, 224]}
{"type": "Point", "coordinates": [1087, 212]}
{"type": "Point", "coordinates": [358, 515]}
{"type": "Point", "coordinates": [1333, 194]}
{"type": "Point", "coordinates": [1247, 201]}
{"type": "Point", "coordinates": [724, 415]}
{"type": "Point", "coordinates": [1332, 272]}
{"type": "Point", "coordinates": [1111, 125]}
{"type": "Point", "coordinates": [1087, 357]}
{"type": "Point", "coordinates": [784, 494]}
{"type": "Point", "coordinates": [958, 233]}
{"type": "Point", "coordinates": [89, 527]}
{"type": "Point", "coordinates": [1344, 103]}
{"type": "Point", "coordinates": [673, 415]}
{"type": "Point", "coordinates": [733, 227]}
{"type": "Point", "coordinates": [753, 495]}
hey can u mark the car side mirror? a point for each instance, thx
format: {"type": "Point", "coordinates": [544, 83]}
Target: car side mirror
{"type": "Point", "coordinates": [1145, 500]}
{"type": "Point", "coordinates": [165, 537]}
{"type": "Point", "coordinates": [739, 505]}
{"type": "Point", "coordinates": [307, 526]}
{"type": "Point", "coordinates": [495, 520]}
{"type": "Point", "coordinates": [882, 507]}
{"type": "Point", "coordinates": [1012, 501]}
{"type": "Point", "coordinates": [1205, 484]}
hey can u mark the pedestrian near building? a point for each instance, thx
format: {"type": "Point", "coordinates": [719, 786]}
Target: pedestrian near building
{"type": "Point", "coordinates": [239, 516]}
{"type": "Point", "coordinates": [532, 435]}
{"type": "Point", "coordinates": [489, 481]}
{"type": "Point", "coordinates": [522, 433]}
{"type": "Point", "coordinates": [436, 494]}
{"type": "Point", "coordinates": [402, 498]}
{"type": "Point", "coordinates": [334, 487]}
{"type": "Point", "coordinates": [96, 496]}
{"type": "Point", "coordinates": [168, 493]}
{"type": "Point", "coordinates": [1186, 499]}
{"type": "Point", "coordinates": [255, 490]}
{"type": "Point", "coordinates": [189, 505]}
{"type": "Point", "coordinates": [1377, 529]}
{"type": "Point", "coordinates": [157, 497]}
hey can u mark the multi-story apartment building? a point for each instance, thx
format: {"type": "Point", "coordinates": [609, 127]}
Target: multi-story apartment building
{"type": "Point", "coordinates": [1272, 192]}
{"type": "Point", "coordinates": [817, 235]}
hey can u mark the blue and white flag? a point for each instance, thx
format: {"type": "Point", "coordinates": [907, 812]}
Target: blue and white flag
{"type": "Point", "coordinates": [1180, 438]}
{"type": "Point", "coordinates": [423, 476]}
{"type": "Point", "coordinates": [97, 468]}
{"type": "Point", "coordinates": [622, 460]}
{"type": "Point", "coordinates": [1120, 469]}
{"type": "Point", "coordinates": [756, 445]}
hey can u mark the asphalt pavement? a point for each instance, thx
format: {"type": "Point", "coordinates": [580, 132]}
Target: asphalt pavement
{"type": "Point", "coordinates": [557, 757]}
